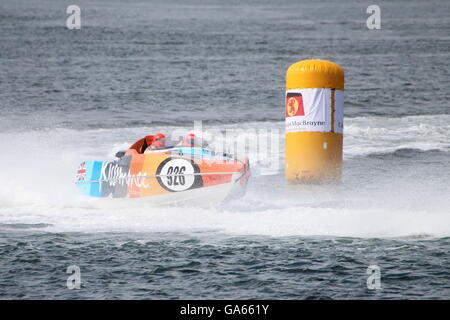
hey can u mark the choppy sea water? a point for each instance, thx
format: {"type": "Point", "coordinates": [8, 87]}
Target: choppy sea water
{"type": "Point", "coordinates": [143, 66]}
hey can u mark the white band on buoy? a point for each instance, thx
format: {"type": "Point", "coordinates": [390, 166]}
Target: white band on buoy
{"type": "Point", "coordinates": [313, 110]}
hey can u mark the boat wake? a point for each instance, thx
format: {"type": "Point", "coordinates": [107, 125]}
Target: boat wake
{"type": "Point", "coordinates": [394, 186]}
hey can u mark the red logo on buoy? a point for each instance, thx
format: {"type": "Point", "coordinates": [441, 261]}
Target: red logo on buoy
{"type": "Point", "coordinates": [294, 105]}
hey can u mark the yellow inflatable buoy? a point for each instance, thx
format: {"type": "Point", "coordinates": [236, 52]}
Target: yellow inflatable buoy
{"type": "Point", "coordinates": [314, 111]}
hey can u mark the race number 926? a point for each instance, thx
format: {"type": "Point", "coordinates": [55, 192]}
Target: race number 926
{"type": "Point", "coordinates": [176, 174]}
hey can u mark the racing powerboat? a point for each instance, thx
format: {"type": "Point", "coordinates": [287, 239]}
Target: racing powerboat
{"type": "Point", "coordinates": [169, 175]}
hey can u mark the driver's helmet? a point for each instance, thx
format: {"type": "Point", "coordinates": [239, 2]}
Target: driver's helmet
{"type": "Point", "coordinates": [191, 140]}
{"type": "Point", "coordinates": [159, 141]}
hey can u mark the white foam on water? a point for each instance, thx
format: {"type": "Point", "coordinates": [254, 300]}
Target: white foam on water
{"type": "Point", "coordinates": [38, 171]}
{"type": "Point", "coordinates": [365, 135]}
